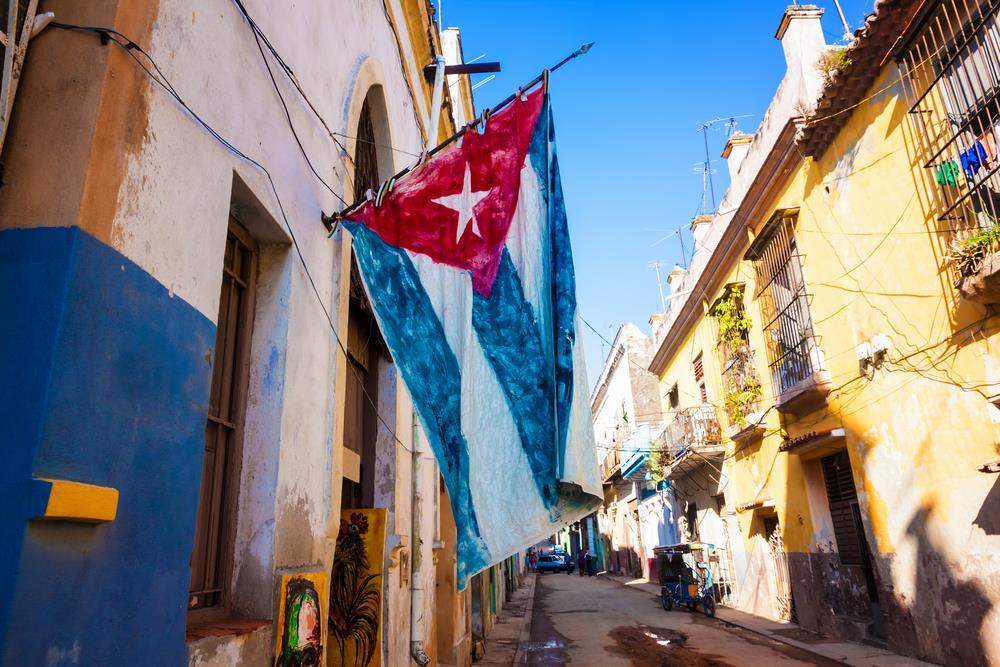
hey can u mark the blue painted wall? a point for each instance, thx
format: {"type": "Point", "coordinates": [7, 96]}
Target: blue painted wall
{"type": "Point", "coordinates": [106, 380]}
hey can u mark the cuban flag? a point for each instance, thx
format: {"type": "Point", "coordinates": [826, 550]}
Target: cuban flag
{"type": "Point", "coordinates": [468, 267]}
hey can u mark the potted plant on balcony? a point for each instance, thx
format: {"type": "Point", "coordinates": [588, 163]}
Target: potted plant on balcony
{"type": "Point", "coordinates": [977, 263]}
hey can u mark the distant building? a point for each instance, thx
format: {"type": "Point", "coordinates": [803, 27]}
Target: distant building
{"type": "Point", "coordinates": [626, 409]}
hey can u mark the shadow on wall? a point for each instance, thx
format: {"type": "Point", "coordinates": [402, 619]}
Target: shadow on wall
{"type": "Point", "coordinates": [947, 616]}
{"type": "Point", "coordinates": [989, 512]}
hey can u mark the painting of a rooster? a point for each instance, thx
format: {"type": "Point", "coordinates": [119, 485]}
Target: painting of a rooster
{"type": "Point", "coordinates": [356, 589]}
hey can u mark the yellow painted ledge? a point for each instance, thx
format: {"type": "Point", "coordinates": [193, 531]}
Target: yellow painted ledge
{"type": "Point", "coordinates": [76, 501]}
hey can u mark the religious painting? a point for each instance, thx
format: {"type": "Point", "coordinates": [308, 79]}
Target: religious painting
{"type": "Point", "coordinates": [300, 621]}
{"type": "Point", "coordinates": [355, 618]}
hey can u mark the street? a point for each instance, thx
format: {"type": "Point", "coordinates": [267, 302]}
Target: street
{"type": "Point", "coordinates": [594, 621]}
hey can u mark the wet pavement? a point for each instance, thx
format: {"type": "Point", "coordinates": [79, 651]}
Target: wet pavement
{"type": "Point", "coordinates": [587, 621]}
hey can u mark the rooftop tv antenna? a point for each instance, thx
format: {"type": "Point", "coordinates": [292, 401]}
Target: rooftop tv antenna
{"type": "Point", "coordinates": [707, 183]}
{"type": "Point", "coordinates": [659, 284]}
{"type": "Point", "coordinates": [848, 36]}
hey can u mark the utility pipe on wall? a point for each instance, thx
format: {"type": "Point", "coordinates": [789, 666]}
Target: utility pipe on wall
{"type": "Point", "coordinates": [418, 576]}
{"type": "Point", "coordinates": [436, 103]}
{"type": "Point", "coordinates": [418, 625]}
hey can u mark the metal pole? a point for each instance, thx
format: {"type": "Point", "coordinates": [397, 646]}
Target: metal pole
{"type": "Point", "coordinates": [659, 284]}
{"type": "Point", "coordinates": [708, 165]}
{"type": "Point", "coordinates": [436, 103]}
{"type": "Point", "coordinates": [329, 220]}
{"type": "Point", "coordinates": [843, 20]}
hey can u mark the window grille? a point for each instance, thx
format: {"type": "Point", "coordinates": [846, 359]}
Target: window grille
{"type": "Point", "coordinates": [781, 289]}
{"type": "Point", "coordinates": [950, 67]}
{"type": "Point", "coordinates": [226, 410]}
{"type": "Point", "coordinates": [365, 154]}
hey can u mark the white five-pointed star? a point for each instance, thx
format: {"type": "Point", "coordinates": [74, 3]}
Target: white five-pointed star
{"type": "Point", "coordinates": [464, 202]}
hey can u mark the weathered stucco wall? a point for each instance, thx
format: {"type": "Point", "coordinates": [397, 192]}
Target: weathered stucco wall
{"type": "Point", "coordinates": [141, 177]}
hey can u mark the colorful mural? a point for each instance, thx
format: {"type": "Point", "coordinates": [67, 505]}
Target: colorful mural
{"type": "Point", "coordinates": [356, 590]}
{"type": "Point", "coordinates": [300, 621]}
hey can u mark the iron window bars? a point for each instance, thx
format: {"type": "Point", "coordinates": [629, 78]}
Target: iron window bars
{"type": "Point", "coordinates": [792, 348]}
{"type": "Point", "coordinates": [950, 68]}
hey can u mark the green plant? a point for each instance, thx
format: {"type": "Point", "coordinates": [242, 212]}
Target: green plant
{"type": "Point", "coordinates": [656, 464]}
{"type": "Point", "coordinates": [740, 401]}
{"type": "Point", "coordinates": [969, 253]}
{"type": "Point", "coordinates": [734, 324]}
{"type": "Point", "coordinates": [833, 60]}
{"type": "Point", "coordinates": [743, 387]}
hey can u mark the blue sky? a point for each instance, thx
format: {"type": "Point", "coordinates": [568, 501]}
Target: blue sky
{"type": "Point", "coordinates": [627, 117]}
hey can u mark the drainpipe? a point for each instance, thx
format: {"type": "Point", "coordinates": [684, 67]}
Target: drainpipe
{"type": "Point", "coordinates": [435, 119]}
{"type": "Point", "coordinates": [418, 626]}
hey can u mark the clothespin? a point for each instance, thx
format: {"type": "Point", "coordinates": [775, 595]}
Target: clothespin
{"type": "Point", "coordinates": [521, 96]}
{"type": "Point", "coordinates": [483, 120]}
{"type": "Point", "coordinates": [383, 190]}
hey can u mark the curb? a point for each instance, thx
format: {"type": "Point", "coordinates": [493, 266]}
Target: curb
{"type": "Point", "coordinates": [520, 657]}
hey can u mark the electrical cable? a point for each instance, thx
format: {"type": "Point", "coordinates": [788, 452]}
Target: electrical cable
{"type": "Point", "coordinates": [258, 36]}
{"type": "Point", "coordinates": [129, 46]}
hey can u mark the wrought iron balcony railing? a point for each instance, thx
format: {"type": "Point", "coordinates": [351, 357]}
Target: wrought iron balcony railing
{"type": "Point", "coordinates": [692, 429]}
{"type": "Point", "coordinates": [611, 463]}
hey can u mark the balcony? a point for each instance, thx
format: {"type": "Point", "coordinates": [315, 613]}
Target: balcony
{"type": "Point", "coordinates": [692, 438]}
{"type": "Point", "coordinates": [798, 374]}
{"type": "Point", "coordinates": [611, 463]}
{"type": "Point", "coordinates": [977, 263]}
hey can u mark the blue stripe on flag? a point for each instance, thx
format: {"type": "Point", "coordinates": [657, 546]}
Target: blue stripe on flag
{"type": "Point", "coordinates": [509, 335]}
{"type": "Point", "coordinates": [428, 365]}
{"type": "Point", "coordinates": [563, 286]}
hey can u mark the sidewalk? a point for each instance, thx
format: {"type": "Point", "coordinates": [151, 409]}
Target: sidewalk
{"type": "Point", "coordinates": [505, 642]}
{"type": "Point", "coordinates": [849, 653]}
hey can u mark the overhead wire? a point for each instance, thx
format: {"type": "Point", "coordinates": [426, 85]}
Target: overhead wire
{"type": "Point", "coordinates": [130, 47]}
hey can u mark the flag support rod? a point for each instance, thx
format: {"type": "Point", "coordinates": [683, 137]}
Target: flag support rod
{"type": "Point", "coordinates": [331, 220]}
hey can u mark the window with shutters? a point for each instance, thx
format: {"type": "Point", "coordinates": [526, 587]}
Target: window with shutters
{"type": "Point", "coordinates": [212, 553]}
{"type": "Point", "coordinates": [843, 499]}
{"type": "Point", "coordinates": [699, 378]}
{"type": "Point", "coordinates": [793, 351]}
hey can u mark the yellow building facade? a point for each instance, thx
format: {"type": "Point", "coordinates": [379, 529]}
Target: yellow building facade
{"type": "Point", "coordinates": [851, 360]}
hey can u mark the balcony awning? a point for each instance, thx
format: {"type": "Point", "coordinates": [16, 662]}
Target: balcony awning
{"type": "Point", "coordinates": [635, 465]}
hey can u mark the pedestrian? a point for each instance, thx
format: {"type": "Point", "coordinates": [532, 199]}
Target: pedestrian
{"type": "Point", "coordinates": [533, 559]}
{"type": "Point", "coordinates": [590, 563]}
{"type": "Point", "coordinates": [581, 561]}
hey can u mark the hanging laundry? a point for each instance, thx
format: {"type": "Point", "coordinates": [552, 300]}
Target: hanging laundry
{"type": "Point", "coordinates": [973, 160]}
{"type": "Point", "coordinates": [947, 173]}
{"type": "Point", "coordinates": [989, 142]}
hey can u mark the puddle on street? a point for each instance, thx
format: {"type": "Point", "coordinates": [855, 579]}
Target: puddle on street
{"type": "Point", "coordinates": [647, 646]}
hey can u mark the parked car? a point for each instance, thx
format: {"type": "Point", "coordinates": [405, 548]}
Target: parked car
{"type": "Point", "coordinates": [554, 563]}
